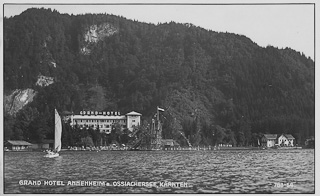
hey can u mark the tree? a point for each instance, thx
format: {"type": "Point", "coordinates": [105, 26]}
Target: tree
{"type": "Point", "coordinates": [116, 132]}
{"type": "Point", "coordinates": [219, 134]}
{"type": "Point", "coordinates": [24, 119]}
{"type": "Point", "coordinates": [38, 129]}
{"type": "Point", "coordinates": [87, 141]}
{"type": "Point", "coordinates": [8, 128]}
{"type": "Point", "coordinates": [95, 135]}
{"type": "Point", "coordinates": [241, 138]}
{"type": "Point", "coordinates": [230, 137]}
{"type": "Point", "coordinates": [124, 138]}
{"type": "Point", "coordinates": [245, 128]}
{"type": "Point", "coordinates": [144, 134]}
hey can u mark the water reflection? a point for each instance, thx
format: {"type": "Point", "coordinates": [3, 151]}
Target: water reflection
{"type": "Point", "coordinates": [204, 171]}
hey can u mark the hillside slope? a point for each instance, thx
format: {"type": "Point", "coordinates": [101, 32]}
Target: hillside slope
{"type": "Point", "coordinates": [215, 87]}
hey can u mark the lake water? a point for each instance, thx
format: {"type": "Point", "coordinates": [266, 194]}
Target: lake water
{"type": "Point", "coordinates": [225, 171]}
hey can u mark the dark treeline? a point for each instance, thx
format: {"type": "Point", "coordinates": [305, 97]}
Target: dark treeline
{"type": "Point", "coordinates": [87, 137]}
{"type": "Point", "coordinates": [214, 87]}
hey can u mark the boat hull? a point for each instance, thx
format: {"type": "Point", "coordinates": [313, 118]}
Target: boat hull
{"type": "Point", "coordinates": [51, 155]}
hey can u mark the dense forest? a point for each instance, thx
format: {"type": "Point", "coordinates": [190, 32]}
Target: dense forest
{"type": "Point", "coordinates": [215, 87]}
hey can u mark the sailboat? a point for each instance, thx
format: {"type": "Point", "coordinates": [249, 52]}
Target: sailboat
{"type": "Point", "coordinates": [57, 137]}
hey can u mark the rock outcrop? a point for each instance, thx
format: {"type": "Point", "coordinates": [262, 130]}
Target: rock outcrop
{"type": "Point", "coordinates": [17, 100]}
{"type": "Point", "coordinates": [44, 80]}
{"type": "Point", "coordinates": [96, 33]}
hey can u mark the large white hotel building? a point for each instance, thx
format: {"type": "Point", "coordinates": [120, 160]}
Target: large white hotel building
{"type": "Point", "coordinates": [104, 120]}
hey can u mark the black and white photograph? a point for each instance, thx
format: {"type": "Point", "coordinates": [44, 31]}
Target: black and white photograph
{"type": "Point", "coordinates": [159, 97]}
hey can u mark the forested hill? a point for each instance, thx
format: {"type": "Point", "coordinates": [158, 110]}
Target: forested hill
{"type": "Point", "coordinates": [214, 87]}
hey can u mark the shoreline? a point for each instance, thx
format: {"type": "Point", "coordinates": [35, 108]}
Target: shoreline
{"type": "Point", "coordinates": [181, 149]}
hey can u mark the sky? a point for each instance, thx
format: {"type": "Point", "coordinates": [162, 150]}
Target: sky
{"type": "Point", "coordinates": [279, 25]}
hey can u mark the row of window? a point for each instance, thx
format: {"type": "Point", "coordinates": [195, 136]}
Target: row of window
{"type": "Point", "coordinates": [100, 126]}
{"type": "Point", "coordinates": [109, 121]}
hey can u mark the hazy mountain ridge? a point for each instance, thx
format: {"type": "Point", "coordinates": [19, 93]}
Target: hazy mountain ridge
{"type": "Point", "coordinates": [202, 78]}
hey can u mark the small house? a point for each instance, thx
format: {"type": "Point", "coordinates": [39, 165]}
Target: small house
{"type": "Point", "coordinates": [45, 144]}
{"type": "Point", "coordinates": [169, 144]}
{"type": "Point", "coordinates": [285, 140]}
{"type": "Point", "coordinates": [269, 140]}
{"type": "Point", "coordinates": [17, 145]}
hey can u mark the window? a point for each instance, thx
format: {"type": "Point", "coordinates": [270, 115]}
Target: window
{"type": "Point", "coordinates": [133, 120]}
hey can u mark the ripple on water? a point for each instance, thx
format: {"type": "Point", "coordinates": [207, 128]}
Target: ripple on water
{"type": "Point", "coordinates": [204, 171]}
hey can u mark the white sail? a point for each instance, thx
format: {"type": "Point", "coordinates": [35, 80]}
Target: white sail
{"type": "Point", "coordinates": [57, 132]}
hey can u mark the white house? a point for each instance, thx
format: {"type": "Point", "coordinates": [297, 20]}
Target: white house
{"type": "Point", "coordinates": [286, 140]}
{"type": "Point", "coordinates": [271, 140]}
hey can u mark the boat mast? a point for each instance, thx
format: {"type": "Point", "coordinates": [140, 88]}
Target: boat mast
{"type": "Point", "coordinates": [158, 130]}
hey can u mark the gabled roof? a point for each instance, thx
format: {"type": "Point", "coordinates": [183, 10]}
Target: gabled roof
{"type": "Point", "coordinates": [19, 143]}
{"type": "Point", "coordinates": [289, 136]}
{"type": "Point", "coordinates": [271, 136]}
{"type": "Point", "coordinates": [133, 113]}
{"type": "Point", "coordinates": [169, 142]}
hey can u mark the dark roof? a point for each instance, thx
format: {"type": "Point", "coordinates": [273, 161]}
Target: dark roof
{"type": "Point", "coordinates": [19, 143]}
{"type": "Point", "coordinates": [169, 142]}
{"type": "Point", "coordinates": [271, 136]}
{"type": "Point", "coordinates": [289, 136]}
{"type": "Point", "coordinates": [47, 141]}
{"type": "Point", "coordinates": [133, 113]}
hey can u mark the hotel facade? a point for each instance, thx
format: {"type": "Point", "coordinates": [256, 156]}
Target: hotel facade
{"type": "Point", "coordinates": [104, 120]}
